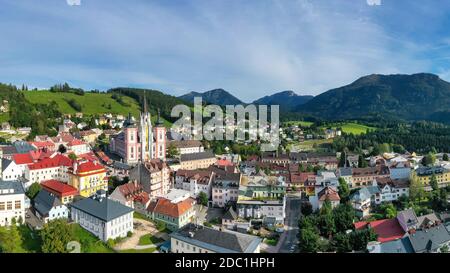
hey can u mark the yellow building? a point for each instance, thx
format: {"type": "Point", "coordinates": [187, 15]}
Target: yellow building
{"type": "Point", "coordinates": [88, 177]}
{"type": "Point", "coordinates": [424, 175]}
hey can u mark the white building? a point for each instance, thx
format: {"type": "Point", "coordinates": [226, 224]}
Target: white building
{"type": "Point", "coordinates": [194, 181]}
{"type": "Point", "coordinates": [389, 190]}
{"type": "Point", "coordinates": [11, 171]}
{"type": "Point", "coordinates": [12, 202]}
{"type": "Point", "coordinates": [103, 217]}
{"type": "Point", "coordinates": [225, 189]}
{"type": "Point", "coordinates": [48, 207]}
{"type": "Point", "coordinates": [187, 146]}
{"type": "Point", "coordinates": [47, 169]}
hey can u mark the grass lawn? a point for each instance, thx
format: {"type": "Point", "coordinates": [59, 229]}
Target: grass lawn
{"type": "Point", "coordinates": [149, 239]}
{"type": "Point", "coordinates": [300, 123]}
{"type": "Point", "coordinates": [272, 242]}
{"type": "Point", "coordinates": [91, 103]}
{"type": "Point", "coordinates": [4, 117]}
{"type": "Point", "coordinates": [147, 250]}
{"type": "Point", "coordinates": [141, 216]}
{"type": "Point", "coordinates": [31, 240]}
{"type": "Point", "coordinates": [89, 243]}
{"type": "Point", "coordinates": [351, 128]}
{"type": "Point", "coordinates": [308, 145]}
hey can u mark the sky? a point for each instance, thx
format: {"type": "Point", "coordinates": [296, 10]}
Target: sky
{"type": "Point", "coordinates": [250, 48]}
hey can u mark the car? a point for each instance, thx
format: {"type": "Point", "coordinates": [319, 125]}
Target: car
{"type": "Point", "coordinates": [279, 229]}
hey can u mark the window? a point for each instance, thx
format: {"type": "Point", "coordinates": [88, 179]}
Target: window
{"type": "Point", "coordinates": [9, 205]}
{"type": "Point", "coordinates": [18, 204]}
{"type": "Point", "coordinates": [2, 205]}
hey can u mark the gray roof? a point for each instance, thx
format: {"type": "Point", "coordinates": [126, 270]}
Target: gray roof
{"type": "Point", "coordinates": [216, 240]}
{"type": "Point", "coordinates": [429, 240]}
{"type": "Point", "coordinates": [5, 163]}
{"type": "Point", "coordinates": [121, 165]}
{"type": "Point", "coordinates": [373, 190]}
{"type": "Point", "coordinates": [407, 216]}
{"type": "Point", "coordinates": [345, 171]}
{"type": "Point", "coordinates": [45, 201]}
{"type": "Point", "coordinates": [16, 186]}
{"type": "Point", "coordinates": [197, 156]}
{"type": "Point", "coordinates": [361, 194]}
{"type": "Point", "coordinates": [104, 208]}
{"type": "Point", "coordinates": [230, 214]}
{"type": "Point", "coordinates": [402, 245]}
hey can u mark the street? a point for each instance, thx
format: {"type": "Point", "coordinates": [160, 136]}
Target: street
{"type": "Point", "coordinates": [289, 240]}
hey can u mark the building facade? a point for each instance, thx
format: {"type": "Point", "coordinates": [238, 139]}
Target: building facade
{"type": "Point", "coordinates": [12, 202]}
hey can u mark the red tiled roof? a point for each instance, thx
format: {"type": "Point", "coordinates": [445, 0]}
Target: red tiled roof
{"type": "Point", "coordinates": [22, 159]}
{"type": "Point", "coordinates": [42, 144]}
{"type": "Point", "coordinates": [59, 188]}
{"type": "Point", "coordinates": [387, 229]}
{"type": "Point", "coordinates": [51, 162]}
{"type": "Point", "coordinates": [328, 193]}
{"type": "Point", "coordinates": [165, 207]}
{"type": "Point", "coordinates": [90, 166]}
{"type": "Point", "coordinates": [224, 162]}
{"type": "Point", "coordinates": [75, 142]}
{"type": "Point", "coordinates": [134, 192]}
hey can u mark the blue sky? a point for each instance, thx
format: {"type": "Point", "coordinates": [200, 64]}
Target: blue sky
{"type": "Point", "coordinates": [251, 48]}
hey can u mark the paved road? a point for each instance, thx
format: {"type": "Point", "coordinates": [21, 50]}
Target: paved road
{"type": "Point", "coordinates": [289, 240]}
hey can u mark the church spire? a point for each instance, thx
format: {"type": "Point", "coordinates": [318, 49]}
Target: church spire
{"type": "Point", "coordinates": [145, 103]}
{"type": "Point", "coordinates": [159, 122]}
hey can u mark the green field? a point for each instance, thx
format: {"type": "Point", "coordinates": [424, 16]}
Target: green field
{"type": "Point", "coordinates": [149, 239]}
{"type": "Point", "coordinates": [309, 145]}
{"type": "Point", "coordinates": [91, 103]}
{"type": "Point", "coordinates": [350, 128]}
{"type": "Point", "coordinates": [306, 124]}
{"type": "Point", "coordinates": [89, 243]}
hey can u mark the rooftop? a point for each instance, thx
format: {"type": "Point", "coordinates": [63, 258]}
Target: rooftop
{"type": "Point", "coordinates": [216, 240]}
{"type": "Point", "coordinates": [197, 156]}
{"type": "Point", "coordinates": [103, 208]}
{"type": "Point", "coordinates": [387, 229]}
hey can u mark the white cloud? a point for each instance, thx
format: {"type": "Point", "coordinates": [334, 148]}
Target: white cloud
{"type": "Point", "coordinates": [73, 2]}
{"type": "Point", "coordinates": [373, 2]}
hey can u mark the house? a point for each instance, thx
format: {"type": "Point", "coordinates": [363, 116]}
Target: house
{"type": "Point", "coordinates": [400, 170]}
{"type": "Point", "coordinates": [87, 177]}
{"type": "Point", "coordinates": [364, 176]}
{"type": "Point", "coordinates": [200, 239]}
{"type": "Point", "coordinates": [430, 240]}
{"type": "Point", "coordinates": [154, 176]}
{"type": "Point", "coordinates": [231, 220]}
{"type": "Point", "coordinates": [10, 170]}
{"type": "Point", "coordinates": [195, 181]}
{"type": "Point", "coordinates": [386, 229]}
{"type": "Point", "coordinates": [424, 174]}
{"type": "Point", "coordinates": [410, 222]}
{"type": "Point", "coordinates": [174, 213]}
{"type": "Point", "coordinates": [55, 167]}
{"type": "Point", "coordinates": [103, 217]}
{"type": "Point", "coordinates": [12, 202]}
{"type": "Point", "coordinates": [275, 158]}
{"type": "Point", "coordinates": [89, 136]}
{"type": "Point", "coordinates": [48, 207]}
{"type": "Point", "coordinates": [389, 190]}
{"type": "Point", "coordinates": [197, 160]}
{"type": "Point", "coordinates": [361, 202]}
{"type": "Point", "coordinates": [225, 189]}
{"type": "Point", "coordinates": [187, 146]}
{"type": "Point", "coordinates": [303, 182]}
{"type": "Point", "coordinates": [132, 195]}
{"type": "Point", "coordinates": [402, 245]}
{"type": "Point", "coordinates": [262, 198]}
{"type": "Point", "coordinates": [330, 194]}
{"type": "Point", "coordinates": [327, 161]}
{"type": "Point", "coordinates": [65, 193]}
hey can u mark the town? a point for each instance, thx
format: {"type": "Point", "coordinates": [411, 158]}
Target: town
{"type": "Point", "coordinates": [128, 184]}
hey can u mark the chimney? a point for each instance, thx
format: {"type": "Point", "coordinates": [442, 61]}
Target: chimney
{"type": "Point", "coordinates": [75, 167]}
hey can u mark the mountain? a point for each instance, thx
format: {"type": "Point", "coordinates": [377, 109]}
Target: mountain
{"type": "Point", "coordinates": [409, 97]}
{"type": "Point", "coordinates": [216, 96]}
{"type": "Point", "coordinates": [288, 100]}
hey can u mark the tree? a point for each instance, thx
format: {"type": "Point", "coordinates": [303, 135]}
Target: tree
{"type": "Point", "coordinates": [341, 242]}
{"type": "Point", "coordinates": [362, 163]}
{"type": "Point", "coordinates": [344, 190]}
{"type": "Point", "coordinates": [172, 151]}
{"type": "Point", "coordinates": [10, 239]}
{"type": "Point", "coordinates": [55, 236]}
{"type": "Point", "coordinates": [203, 198]}
{"type": "Point", "coordinates": [445, 157]}
{"type": "Point", "coordinates": [344, 214]}
{"type": "Point", "coordinates": [62, 149]}
{"type": "Point", "coordinates": [73, 156]}
{"type": "Point", "coordinates": [360, 238]}
{"type": "Point", "coordinates": [309, 241]}
{"type": "Point", "coordinates": [306, 208]}
{"type": "Point", "coordinates": [33, 190]}
{"type": "Point", "coordinates": [434, 183]}
{"type": "Point", "coordinates": [343, 159]}
{"type": "Point", "coordinates": [416, 190]}
{"type": "Point", "coordinates": [429, 159]}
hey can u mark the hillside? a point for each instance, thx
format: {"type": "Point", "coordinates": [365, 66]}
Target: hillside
{"type": "Point", "coordinates": [216, 96]}
{"type": "Point", "coordinates": [91, 103]}
{"type": "Point", "coordinates": [288, 100]}
{"type": "Point", "coordinates": [409, 97]}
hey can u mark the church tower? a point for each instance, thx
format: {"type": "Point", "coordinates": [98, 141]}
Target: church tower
{"type": "Point", "coordinates": [146, 133]}
{"type": "Point", "coordinates": [160, 139]}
